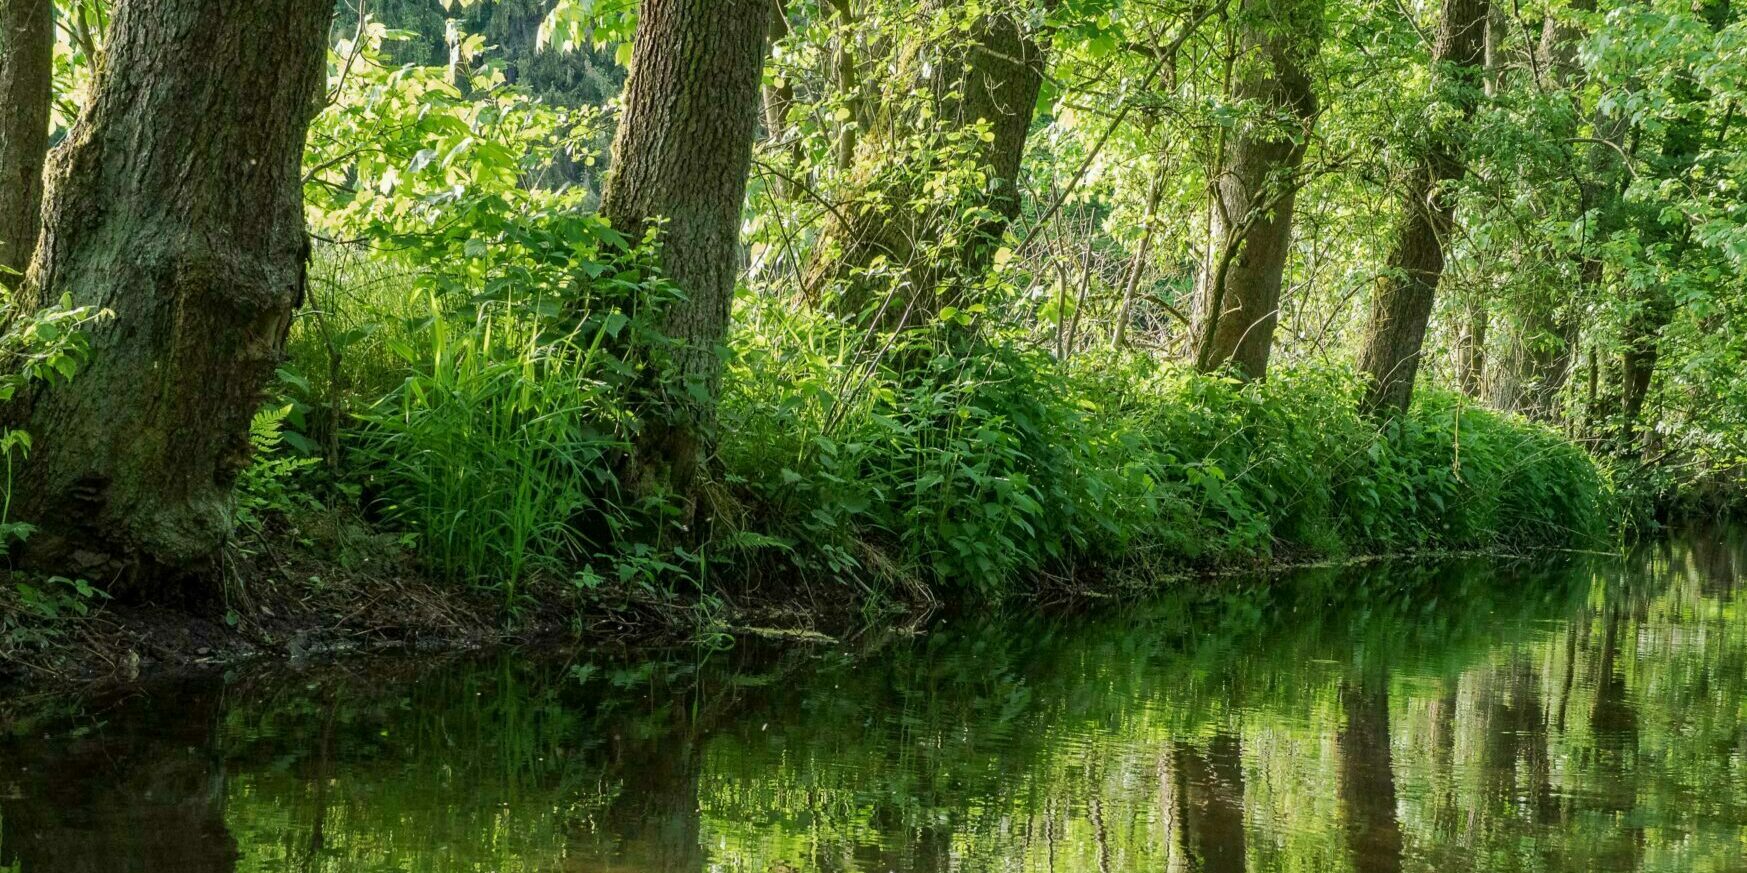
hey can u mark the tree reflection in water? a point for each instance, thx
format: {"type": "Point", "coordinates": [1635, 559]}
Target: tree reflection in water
{"type": "Point", "coordinates": [1582, 715]}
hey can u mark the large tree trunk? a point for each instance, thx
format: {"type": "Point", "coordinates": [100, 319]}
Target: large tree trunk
{"type": "Point", "coordinates": [27, 46]}
{"type": "Point", "coordinates": [1250, 218]}
{"type": "Point", "coordinates": [682, 152]}
{"type": "Point", "coordinates": [994, 76]}
{"type": "Point", "coordinates": [1402, 305]}
{"type": "Point", "coordinates": [176, 204]}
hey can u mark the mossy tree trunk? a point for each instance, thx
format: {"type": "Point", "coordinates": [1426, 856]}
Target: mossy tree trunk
{"type": "Point", "coordinates": [681, 154]}
{"type": "Point", "coordinates": [1250, 218]}
{"type": "Point", "coordinates": [1401, 305]}
{"type": "Point", "coordinates": [177, 205]}
{"type": "Point", "coordinates": [994, 75]}
{"type": "Point", "coordinates": [27, 45]}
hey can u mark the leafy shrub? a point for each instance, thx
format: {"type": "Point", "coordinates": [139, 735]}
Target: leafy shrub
{"type": "Point", "coordinates": [982, 467]}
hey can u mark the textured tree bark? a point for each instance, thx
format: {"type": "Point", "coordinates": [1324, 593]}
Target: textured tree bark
{"type": "Point", "coordinates": [996, 78]}
{"type": "Point", "coordinates": [176, 203]}
{"type": "Point", "coordinates": [1250, 218]}
{"type": "Point", "coordinates": [27, 45]}
{"type": "Point", "coordinates": [1401, 306]}
{"type": "Point", "coordinates": [681, 154]}
{"type": "Point", "coordinates": [1471, 350]}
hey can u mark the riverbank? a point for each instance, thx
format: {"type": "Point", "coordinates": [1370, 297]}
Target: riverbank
{"type": "Point", "coordinates": [1020, 481]}
{"type": "Point", "coordinates": [1008, 743]}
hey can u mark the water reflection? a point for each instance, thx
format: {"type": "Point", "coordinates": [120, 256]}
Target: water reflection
{"type": "Point", "coordinates": [1580, 716]}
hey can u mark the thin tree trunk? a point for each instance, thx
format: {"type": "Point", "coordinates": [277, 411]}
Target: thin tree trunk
{"type": "Point", "coordinates": [1137, 268]}
{"type": "Point", "coordinates": [27, 45]}
{"type": "Point", "coordinates": [176, 204]}
{"type": "Point", "coordinates": [682, 153]}
{"type": "Point", "coordinates": [1251, 212]}
{"type": "Point", "coordinates": [1471, 349]}
{"type": "Point", "coordinates": [1395, 331]}
{"type": "Point", "coordinates": [779, 100]}
{"type": "Point", "coordinates": [995, 77]}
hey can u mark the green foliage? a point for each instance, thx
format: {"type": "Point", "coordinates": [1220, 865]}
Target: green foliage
{"type": "Point", "coordinates": [46, 345]}
{"type": "Point", "coordinates": [480, 349]}
{"type": "Point", "coordinates": [993, 464]}
{"type": "Point", "coordinates": [270, 483]}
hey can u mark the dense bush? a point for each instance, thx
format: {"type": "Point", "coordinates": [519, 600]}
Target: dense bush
{"type": "Point", "coordinates": [962, 465]}
{"type": "Point", "coordinates": [979, 469]}
{"type": "Point", "coordinates": [477, 359]}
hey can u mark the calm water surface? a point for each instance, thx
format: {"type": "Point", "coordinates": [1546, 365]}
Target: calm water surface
{"type": "Point", "coordinates": [1589, 714]}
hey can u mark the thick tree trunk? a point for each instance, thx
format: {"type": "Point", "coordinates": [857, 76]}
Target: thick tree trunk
{"type": "Point", "coordinates": [1539, 350]}
{"type": "Point", "coordinates": [682, 153]}
{"type": "Point", "coordinates": [176, 204]}
{"type": "Point", "coordinates": [1402, 305]}
{"type": "Point", "coordinates": [27, 46]}
{"type": "Point", "coordinates": [994, 77]}
{"type": "Point", "coordinates": [1250, 218]}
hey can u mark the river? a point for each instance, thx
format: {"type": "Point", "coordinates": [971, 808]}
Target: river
{"type": "Point", "coordinates": [1570, 712]}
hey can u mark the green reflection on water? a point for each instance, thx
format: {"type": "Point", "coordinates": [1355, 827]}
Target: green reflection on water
{"type": "Point", "coordinates": [1585, 715]}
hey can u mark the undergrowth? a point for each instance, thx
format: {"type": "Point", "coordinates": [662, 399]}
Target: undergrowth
{"type": "Point", "coordinates": [958, 464]}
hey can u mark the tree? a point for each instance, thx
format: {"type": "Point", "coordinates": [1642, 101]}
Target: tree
{"type": "Point", "coordinates": [681, 156]}
{"type": "Point", "coordinates": [1394, 333]}
{"type": "Point", "coordinates": [1250, 219]}
{"type": "Point", "coordinates": [1539, 349]}
{"type": "Point", "coordinates": [176, 204]}
{"type": "Point", "coordinates": [991, 75]}
{"type": "Point", "coordinates": [1685, 143]}
{"type": "Point", "coordinates": [27, 45]}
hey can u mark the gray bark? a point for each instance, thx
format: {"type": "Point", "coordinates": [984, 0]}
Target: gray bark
{"type": "Point", "coordinates": [1250, 217]}
{"type": "Point", "coordinates": [1401, 306]}
{"type": "Point", "coordinates": [682, 153]}
{"type": "Point", "coordinates": [27, 43]}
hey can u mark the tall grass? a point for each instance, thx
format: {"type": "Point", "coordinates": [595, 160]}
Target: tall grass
{"type": "Point", "coordinates": [490, 433]}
